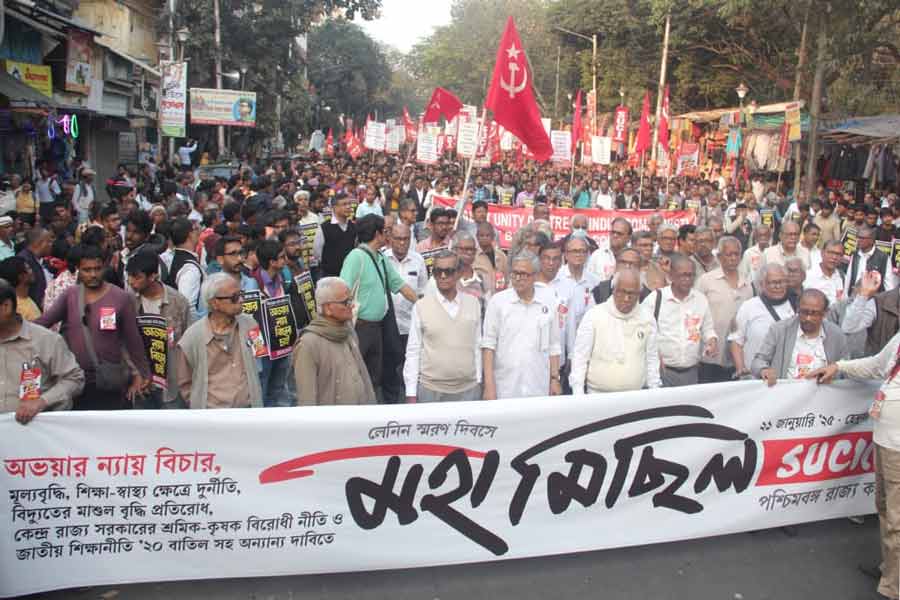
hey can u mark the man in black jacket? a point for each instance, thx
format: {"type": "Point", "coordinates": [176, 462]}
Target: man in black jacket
{"type": "Point", "coordinates": [628, 258]}
{"type": "Point", "coordinates": [38, 242]}
{"type": "Point", "coordinates": [867, 258]}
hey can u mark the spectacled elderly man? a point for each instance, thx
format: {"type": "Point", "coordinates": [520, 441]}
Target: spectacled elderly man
{"type": "Point", "coordinates": [328, 366]}
{"type": "Point", "coordinates": [685, 324]}
{"type": "Point", "coordinates": [797, 346]}
{"type": "Point", "coordinates": [443, 358]}
{"type": "Point", "coordinates": [615, 346]}
{"type": "Point", "coordinates": [521, 340]}
{"type": "Point", "coordinates": [216, 355]}
{"type": "Point", "coordinates": [756, 315]}
{"type": "Point", "coordinates": [788, 246]}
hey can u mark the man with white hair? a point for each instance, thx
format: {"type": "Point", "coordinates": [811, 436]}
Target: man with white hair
{"type": "Point", "coordinates": [328, 366]}
{"type": "Point", "coordinates": [216, 355]}
{"type": "Point", "coordinates": [615, 347]}
{"type": "Point", "coordinates": [521, 340]}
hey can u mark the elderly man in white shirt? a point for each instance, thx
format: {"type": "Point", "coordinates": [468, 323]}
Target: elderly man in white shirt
{"type": "Point", "coordinates": [574, 291]}
{"type": "Point", "coordinates": [603, 261]}
{"type": "Point", "coordinates": [756, 315]}
{"type": "Point", "coordinates": [685, 325]}
{"type": "Point", "coordinates": [788, 247]}
{"type": "Point", "coordinates": [615, 348]}
{"type": "Point", "coordinates": [411, 267]}
{"type": "Point", "coordinates": [521, 342]}
{"type": "Point", "coordinates": [443, 356]}
{"type": "Point", "coordinates": [824, 275]}
{"type": "Point", "coordinates": [754, 258]}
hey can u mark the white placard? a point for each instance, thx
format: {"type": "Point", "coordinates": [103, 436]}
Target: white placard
{"type": "Point", "coordinates": [466, 142]}
{"type": "Point", "coordinates": [601, 149]}
{"type": "Point", "coordinates": [562, 146]}
{"type": "Point", "coordinates": [375, 136]}
{"type": "Point", "coordinates": [427, 150]}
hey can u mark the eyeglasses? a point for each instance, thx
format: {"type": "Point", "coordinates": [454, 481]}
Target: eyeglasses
{"type": "Point", "coordinates": [443, 272]}
{"type": "Point", "coordinates": [232, 298]}
{"type": "Point", "coordinates": [521, 274]}
{"type": "Point", "coordinates": [346, 302]}
{"type": "Point", "coordinates": [578, 251]}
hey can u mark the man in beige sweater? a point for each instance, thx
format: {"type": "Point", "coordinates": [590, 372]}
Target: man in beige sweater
{"type": "Point", "coordinates": [328, 366]}
{"type": "Point", "coordinates": [615, 347]}
{"type": "Point", "coordinates": [443, 357]}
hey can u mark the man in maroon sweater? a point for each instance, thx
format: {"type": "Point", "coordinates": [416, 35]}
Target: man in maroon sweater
{"type": "Point", "coordinates": [111, 321]}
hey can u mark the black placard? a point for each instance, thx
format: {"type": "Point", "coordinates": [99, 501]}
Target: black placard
{"type": "Point", "coordinates": [154, 331]}
{"type": "Point", "coordinates": [280, 326]}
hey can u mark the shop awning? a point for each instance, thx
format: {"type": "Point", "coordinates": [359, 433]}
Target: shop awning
{"type": "Point", "coordinates": [715, 115]}
{"type": "Point", "coordinates": [131, 59]}
{"type": "Point", "coordinates": [18, 92]}
{"type": "Point", "coordinates": [863, 129]}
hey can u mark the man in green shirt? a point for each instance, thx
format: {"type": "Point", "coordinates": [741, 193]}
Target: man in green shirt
{"type": "Point", "coordinates": [368, 282]}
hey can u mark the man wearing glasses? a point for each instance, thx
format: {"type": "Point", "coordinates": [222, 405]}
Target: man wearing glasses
{"type": "Point", "coordinates": [756, 315]}
{"type": "Point", "coordinates": [603, 261]}
{"type": "Point", "coordinates": [795, 347]}
{"type": "Point", "coordinates": [443, 356]}
{"type": "Point", "coordinates": [825, 275]}
{"type": "Point", "coordinates": [521, 329]}
{"type": "Point", "coordinates": [868, 258]}
{"type": "Point", "coordinates": [230, 256]}
{"type": "Point", "coordinates": [328, 366]}
{"type": "Point", "coordinates": [216, 355]}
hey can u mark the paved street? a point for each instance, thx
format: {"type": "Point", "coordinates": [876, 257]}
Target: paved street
{"type": "Point", "coordinates": [820, 562]}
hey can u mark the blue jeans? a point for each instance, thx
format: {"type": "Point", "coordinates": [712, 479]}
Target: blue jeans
{"type": "Point", "coordinates": [273, 379]}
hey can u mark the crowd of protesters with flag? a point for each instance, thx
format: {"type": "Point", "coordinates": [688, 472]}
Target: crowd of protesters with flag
{"type": "Point", "coordinates": [355, 275]}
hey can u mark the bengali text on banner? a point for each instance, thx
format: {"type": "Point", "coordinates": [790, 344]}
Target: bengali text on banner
{"type": "Point", "coordinates": [132, 496]}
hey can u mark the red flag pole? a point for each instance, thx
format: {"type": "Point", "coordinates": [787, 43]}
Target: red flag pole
{"type": "Point", "coordinates": [641, 191]}
{"type": "Point", "coordinates": [461, 203]}
{"type": "Point", "coordinates": [572, 176]}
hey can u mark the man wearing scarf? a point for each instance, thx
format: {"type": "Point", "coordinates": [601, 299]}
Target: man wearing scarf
{"type": "Point", "coordinates": [755, 316]}
{"type": "Point", "coordinates": [328, 366]}
{"type": "Point", "coordinates": [615, 346]}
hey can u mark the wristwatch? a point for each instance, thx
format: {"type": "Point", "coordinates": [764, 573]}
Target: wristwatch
{"type": "Point", "coordinates": [554, 377]}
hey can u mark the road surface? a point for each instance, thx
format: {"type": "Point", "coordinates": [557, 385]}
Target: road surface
{"type": "Point", "coordinates": [819, 562]}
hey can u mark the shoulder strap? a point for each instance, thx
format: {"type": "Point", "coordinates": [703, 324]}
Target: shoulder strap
{"type": "Point", "coordinates": [770, 308]}
{"type": "Point", "coordinates": [88, 342]}
{"type": "Point", "coordinates": [658, 305]}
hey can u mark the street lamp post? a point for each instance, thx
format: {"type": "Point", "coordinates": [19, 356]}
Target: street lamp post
{"type": "Point", "coordinates": [593, 40]}
{"type": "Point", "coordinates": [742, 92]}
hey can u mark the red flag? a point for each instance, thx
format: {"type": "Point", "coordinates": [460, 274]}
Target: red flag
{"type": "Point", "coordinates": [354, 147]}
{"type": "Point", "coordinates": [443, 103]}
{"type": "Point", "coordinates": [643, 134]}
{"type": "Point", "coordinates": [511, 98]}
{"type": "Point", "coordinates": [576, 123]}
{"type": "Point", "coordinates": [329, 143]}
{"type": "Point", "coordinates": [663, 126]}
{"type": "Point", "coordinates": [409, 125]}
{"type": "Point", "coordinates": [620, 125]}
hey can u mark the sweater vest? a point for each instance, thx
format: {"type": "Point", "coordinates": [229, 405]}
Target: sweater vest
{"type": "Point", "coordinates": [606, 373]}
{"type": "Point", "coordinates": [338, 244]}
{"type": "Point", "coordinates": [447, 359]}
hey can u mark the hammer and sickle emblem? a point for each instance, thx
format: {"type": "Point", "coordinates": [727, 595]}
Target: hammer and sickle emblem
{"type": "Point", "coordinates": [511, 87]}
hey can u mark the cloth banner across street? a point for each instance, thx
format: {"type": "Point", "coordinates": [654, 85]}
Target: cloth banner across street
{"type": "Point", "coordinates": [93, 498]}
{"type": "Point", "coordinates": [507, 220]}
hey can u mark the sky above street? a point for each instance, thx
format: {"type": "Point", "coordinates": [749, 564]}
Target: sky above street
{"type": "Point", "coordinates": [405, 22]}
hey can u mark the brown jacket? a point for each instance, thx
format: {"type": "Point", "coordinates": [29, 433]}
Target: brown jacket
{"type": "Point", "coordinates": [489, 272]}
{"type": "Point", "coordinates": [886, 323]}
{"type": "Point", "coordinates": [328, 371]}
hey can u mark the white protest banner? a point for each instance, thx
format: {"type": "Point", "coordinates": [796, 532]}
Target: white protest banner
{"type": "Point", "coordinates": [601, 148]}
{"type": "Point", "coordinates": [562, 146]}
{"type": "Point", "coordinates": [393, 139]}
{"type": "Point", "coordinates": [427, 151]}
{"type": "Point", "coordinates": [129, 496]}
{"type": "Point", "coordinates": [506, 141]}
{"type": "Point", "coordinates": [466, 142]}
{"type": "Point", "coordinates": [375, 136]}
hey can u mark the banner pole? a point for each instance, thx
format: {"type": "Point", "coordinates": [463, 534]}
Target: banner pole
{"type": "Point", "coordinates": [461, 203]}
{"type": "Point", "coordinates": [572, 176]}
{"type": "Point", "coordinates": [641, 190]}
